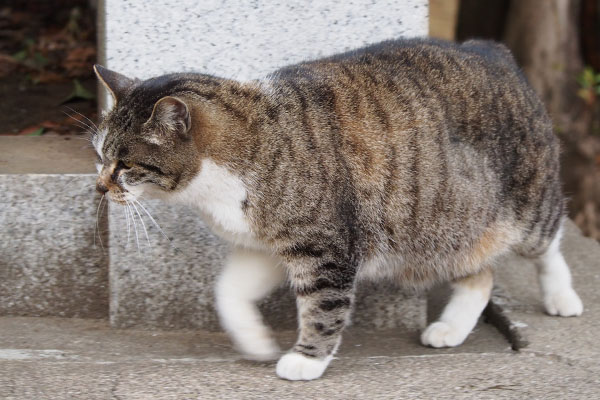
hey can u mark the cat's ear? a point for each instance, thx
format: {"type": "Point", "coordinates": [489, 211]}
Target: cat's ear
{"type": "Point", "coordinates": [114, 82]}
{"type": "Point", "coordinates": [170, 116]}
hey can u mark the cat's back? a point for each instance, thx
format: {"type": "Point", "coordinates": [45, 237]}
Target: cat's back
{"type": "Point", "coordinates": [475, 89]}
{"type": "Point", "coordinates": [436, 142]}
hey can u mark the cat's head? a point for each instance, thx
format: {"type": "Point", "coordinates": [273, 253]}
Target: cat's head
{"type": "Point", "coordinates": [145, 142]}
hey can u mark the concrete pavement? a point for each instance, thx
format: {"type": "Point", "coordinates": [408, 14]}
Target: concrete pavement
{"type": "Point", "coordinates": [60, 358]}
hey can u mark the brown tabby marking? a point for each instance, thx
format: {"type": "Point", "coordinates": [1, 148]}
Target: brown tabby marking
{"type": "Point", "coordinates": [414, 160]}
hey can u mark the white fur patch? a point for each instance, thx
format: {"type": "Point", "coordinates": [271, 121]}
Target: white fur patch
{"type": "Point", "coordinates": [555, 282]}
{"type": "Point", "coordinates": [219, 194]}
{"type": "Point", "coordinates": [297, 367]}
{"type": "Point", "coordinates": [458, 318]}
{"type": "Point", "coordinates": [247, 278]}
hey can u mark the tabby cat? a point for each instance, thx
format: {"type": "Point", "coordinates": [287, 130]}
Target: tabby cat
{"type": "Point", "coordinates": [412, 161]}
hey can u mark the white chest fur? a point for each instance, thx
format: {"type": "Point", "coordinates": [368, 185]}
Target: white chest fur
{"type": "Point", "coordinates": [218, 195]}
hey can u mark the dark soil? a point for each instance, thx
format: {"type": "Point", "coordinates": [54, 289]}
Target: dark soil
{"type": "Point", "coordinates": [47, 50]}
{"type": "Point", "coordinates": [26, 105]}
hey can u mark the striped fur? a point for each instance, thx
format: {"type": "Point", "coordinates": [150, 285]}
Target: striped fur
{"type": "Point", "coordinates": [417, 161]}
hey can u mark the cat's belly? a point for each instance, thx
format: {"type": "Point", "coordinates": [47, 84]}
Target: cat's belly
{"type": "Point", "coordinates": [405, 272]}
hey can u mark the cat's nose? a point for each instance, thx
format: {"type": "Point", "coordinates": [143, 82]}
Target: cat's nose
{"type": "Point", "coordinates": [101, 188]}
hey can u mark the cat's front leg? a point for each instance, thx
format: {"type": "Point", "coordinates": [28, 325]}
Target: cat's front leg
{"type": "Point", "coordinates": [248, 277]}
{"type": "Point", "coordinates": [324, 299]}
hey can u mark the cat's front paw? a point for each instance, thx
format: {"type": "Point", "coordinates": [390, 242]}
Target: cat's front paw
{"type": "Point", "coordinates": [297, 367]}
{"type": "Point", "coordinates": [442, 334]}
{"type": "Point", "coordinates": [565, 303]}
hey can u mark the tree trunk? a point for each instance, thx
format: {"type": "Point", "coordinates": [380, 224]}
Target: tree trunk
{"type": "Point", "coordinates": [544, 38]}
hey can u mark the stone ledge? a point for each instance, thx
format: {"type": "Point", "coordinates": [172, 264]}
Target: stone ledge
{"type": "Point", "coordinates": [46, 155]}
{"type": "Point", "coordinates": [53, 358]}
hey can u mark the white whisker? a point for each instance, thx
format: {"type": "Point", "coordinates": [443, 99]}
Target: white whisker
{"type": "Point", "coordinates": [143, 224]}
{"type": "Point", "coordinates": [97, 227]}
{"type": "Point", "coordinates": [152, 219]}
{"type": "Point", "coordinates": [128, 225]}
{"type": "Point", "coordinates": [91, 122]}
{"type": "Point", "coordinates": [137, 239]}
{"type": "Point", "coordinates": [81, 124]}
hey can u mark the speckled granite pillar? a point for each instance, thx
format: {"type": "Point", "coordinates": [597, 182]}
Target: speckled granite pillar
{"type": "Point", "coordinates": [165, 288]}
{"type": "Point", "coordinates": [245, 39]}
{"type": "Point", "coordinates": [49, 265]}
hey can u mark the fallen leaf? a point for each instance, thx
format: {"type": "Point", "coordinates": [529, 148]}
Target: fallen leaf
{"type": "Point", "coordinates": [31, 129]}
{"type": "Point", "coordinates": [78, 93]}
{"type": "Point", "coordinates": [37, 132]}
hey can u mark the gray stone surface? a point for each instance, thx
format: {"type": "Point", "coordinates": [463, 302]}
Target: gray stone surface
{"type": "Point", "coordinates": [49, 264]}
{"type": "Point", "coordinates": [54, 358]}
{"type": "Point", "coordinates": [162, 283]}
{"type": "Point", "coordinates": [46, 155]}
{"type": "Point", "coordinates": [168, 284]}
{"type": "Point", "coordinates": [569, 338]}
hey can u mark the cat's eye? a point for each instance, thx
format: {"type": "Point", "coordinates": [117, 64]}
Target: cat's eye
{"type": "Point", "coordinates": [127, 164]}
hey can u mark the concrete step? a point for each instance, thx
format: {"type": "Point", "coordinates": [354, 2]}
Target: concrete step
{"type": "Point", "coordinates": [62, 358]}
{"type": "Point", "coordinates": [56, 260]}
{"type": "Point", "coordinates": [49, 264]}
{"type": "Point", "coordinates": [56, 358]}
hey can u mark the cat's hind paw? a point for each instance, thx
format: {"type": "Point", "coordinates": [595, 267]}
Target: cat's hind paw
{"type": "Point", "coordinates": [442, 334]}
{"type": "Point", "coordinates": [565, 303]}
{"type": "Point", "coordinates": [297, 367]}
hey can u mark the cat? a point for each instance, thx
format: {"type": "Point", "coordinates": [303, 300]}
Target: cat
{"type": "Point", "coordinates": [414, 161]}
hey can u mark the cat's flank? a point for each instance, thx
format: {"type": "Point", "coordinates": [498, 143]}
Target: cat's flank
{"type": "Point", "coordinates": [412, 161]}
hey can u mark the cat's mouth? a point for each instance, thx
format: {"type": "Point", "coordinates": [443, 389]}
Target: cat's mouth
{"type": "Point", "coordinates": [114, 193]}
{"type": "Point", "coordinates": [119, 198]}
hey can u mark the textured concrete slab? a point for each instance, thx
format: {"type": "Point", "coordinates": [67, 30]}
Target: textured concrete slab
{"type": "Point", "coordinates": [46, 155]}
{"type": "Point", "coordinates": [55, 358]}
{"type": "Point", "coordinates": [569, 338]}
{"type": "Point", "coordinates": [168, 283]}
{"type": "Point", "coordinates": [49, 264]}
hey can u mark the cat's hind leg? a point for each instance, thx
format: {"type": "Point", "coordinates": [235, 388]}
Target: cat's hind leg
{"type": "Point", "coordinates": [248, 277]}
{"type": "Point", "coordinates": [469, 297]}
{"type": "Point", "coordinates": [555, 281]}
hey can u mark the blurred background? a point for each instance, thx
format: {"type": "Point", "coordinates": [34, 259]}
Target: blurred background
{"type": "Point", "coordinates": [47, 49]}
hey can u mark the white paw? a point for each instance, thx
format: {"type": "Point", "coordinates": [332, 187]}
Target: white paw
{"type": "Point", "coordinates": [441, 334]}
{"type": "Point", "coordinates": [565, 303]}
{"type": "Point", "coordinates": [261, 348]}
{"type": "Point", "coordinates": [296, 367]}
